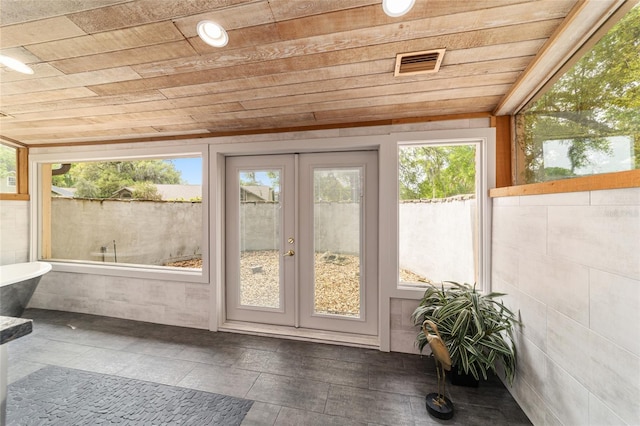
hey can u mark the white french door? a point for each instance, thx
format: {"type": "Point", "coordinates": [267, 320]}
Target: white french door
{"type": "Point", "coordinates": [301, 238]}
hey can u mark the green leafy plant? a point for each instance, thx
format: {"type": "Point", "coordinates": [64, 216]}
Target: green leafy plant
{"type": "Point", "coordinates": [477, 328]}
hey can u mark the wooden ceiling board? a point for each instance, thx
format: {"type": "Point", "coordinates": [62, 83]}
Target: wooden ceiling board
{"type": "Point", "coordinates": [295, 61]}
{"type": "Point", "coordinates": [231, 18]}
{"type": "Point", "coordinates": [142, 12]}
{"type": "Point", "coordinates": [244, 37]}
{"type": "Point", "coordinates": [85, 102]}
{"type": "Point", "coordinates": [158, 105]}
{"type": "Point", "coordinates": [270, 85]}
{"type": "Point", "coordinates": [104, 76]}
{"type": "Point", "coordinates": [420, 28]}
{"type": "Point", "coordinates": [135, 70]}
{"type": "Point", "coordinates": [21, 54]}
{"type": "Point", "coordinates": [418, 109]}
{"type": "Point", "coordinates": [274, 72]}
{"type": "Point", "coordinates": [362, 103]}
{"type": "Point", "coordinates": [97, 135]}
{"type": "Point", "coordinates": [285, 9]}
{"type": "Point", "coordinates": [111, 41]}
{"type": "Point", "coordinates": [135, 56]}
{"type": "Point", "coordinates": [337, 90]}
{"type": "Point", "coordinates": [40, 70]}
{"type": "Point", "coordinates": [115, 112]}
{"type": "Point", "coordinates": [17, 11]}
{"type": "Point", "coordinates": [371, 16]}
{"type": "Point", "coordinates": [371, 74]}
{"type": "Point", "coordinates": [492, 52]}
{"type": "Point", "coordinates": [101, 122]}
{"type": "Point", "coordinates": [314, 82]}
{"type": "Point", "coordinates": [285, 66]}
{"type": "Point", "coordinates": [58, 28]}
{"type": "Point", "coordinates": [47, 96]}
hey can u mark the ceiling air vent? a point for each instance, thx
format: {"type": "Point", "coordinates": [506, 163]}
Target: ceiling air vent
{"type": "Point", "coordinates": [427, 61]}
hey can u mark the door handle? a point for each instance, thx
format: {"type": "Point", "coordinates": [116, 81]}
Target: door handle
{"type": "Point", "coordinates": [289, 253]}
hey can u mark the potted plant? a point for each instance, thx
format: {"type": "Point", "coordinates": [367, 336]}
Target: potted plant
{"type": "Point", "coordinates": [476, 328]}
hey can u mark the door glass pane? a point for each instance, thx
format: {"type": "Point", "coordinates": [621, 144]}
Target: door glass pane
{"type": "Point", "coordinates": [260, 219]}
{"type": "Point", "coordinates": [438, 215]}
{"type": "Point", "coordinates": [337, 215]}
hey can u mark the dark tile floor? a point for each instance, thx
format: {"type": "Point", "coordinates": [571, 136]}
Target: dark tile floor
{"type": "Point", "coordinates": [292, 382]}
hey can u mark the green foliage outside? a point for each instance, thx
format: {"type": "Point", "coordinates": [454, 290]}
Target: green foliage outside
{"type": "Point", "coordinates": [427, 172]}
{"type": "Point", "coordinates": [331, 185]}
{"type": "Point", "coordinates": [103, 179]}
{"type": "Point", "coordinates": [336, 186]}
{"type": "Point", "coordinates": [8, 159]}
{"type": "Point", "coordinates": [597, 99]}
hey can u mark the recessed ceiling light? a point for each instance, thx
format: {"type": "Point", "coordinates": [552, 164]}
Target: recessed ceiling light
{"type": "Point", "coordinates": [395, 8]}
{"type": "Point", "coordinates": [213, 34]}
{"type": "Point", "coordinates": [15, 65]}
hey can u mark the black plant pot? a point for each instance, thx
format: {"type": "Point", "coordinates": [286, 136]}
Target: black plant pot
{"type": "Point", "coordinates": [460, 378]}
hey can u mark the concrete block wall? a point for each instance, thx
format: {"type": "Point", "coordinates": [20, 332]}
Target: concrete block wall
{"type": "Point", "coordinates": [145, 232]}
{"type": "Point", "coordinates": [14, 232]}
{"type": "Point", "coordinates": [570, 263]}
{"type": "Point", "coordinates": [437, 239]}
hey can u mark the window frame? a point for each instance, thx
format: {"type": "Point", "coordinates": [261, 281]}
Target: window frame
{"type": "Point", "coordinates": [22, 174]}
{"type": "Point", "coordinates": [103, 153]}
{"type": "Point", "coordinates": [480, 184]}
{"type": "Point", "coordinates": [602, 21]}
{"type": "Point", "coordinates": [389, 205]}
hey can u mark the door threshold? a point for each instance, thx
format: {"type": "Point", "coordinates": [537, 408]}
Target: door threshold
{"type": "Point", "coordinates": [302, 334]}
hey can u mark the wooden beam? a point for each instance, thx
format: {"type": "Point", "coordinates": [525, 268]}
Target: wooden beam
{"type": "Point", "coordinates": [23, 171]}
{"type": "Point", "coordinates": [617, 180]}
{"type": "Point", "coordinates": [14, 197]}
{"type": "Point", "coordinates": [45, 185]}
{"type": "Point", "coordinates": [503, 150]}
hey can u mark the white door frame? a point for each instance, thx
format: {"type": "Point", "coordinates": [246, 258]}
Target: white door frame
{"type": "Point", "coordinates": [297, 289]}
{"type": "Point", "coordinates": [367, 323]}
{"type": "Point", "coordinates": [385, 139]}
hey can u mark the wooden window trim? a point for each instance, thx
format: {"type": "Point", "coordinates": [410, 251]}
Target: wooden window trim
{"type": "Point", "coordinates": [505, 173]}
{"type": "Point", "coordinates": [22, 167]}
{"type": "Point", "coordinates": [616, 180]}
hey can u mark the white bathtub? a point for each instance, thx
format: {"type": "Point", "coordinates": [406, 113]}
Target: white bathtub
{"type": "Point", "coordinates": [17, 284]}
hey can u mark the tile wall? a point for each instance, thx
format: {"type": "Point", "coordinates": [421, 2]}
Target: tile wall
{"type": "Point", "coordinates": [402, 331]}
{"type": "Point", "coordinates": [161, 302]}
{"type": "Point", "coordinates": [14, 232]}
{"type": "Point", "coordinates": [571, 264]}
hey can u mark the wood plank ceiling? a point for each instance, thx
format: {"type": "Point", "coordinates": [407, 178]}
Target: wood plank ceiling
{"type": "Point", "coordinates": [109, 70]}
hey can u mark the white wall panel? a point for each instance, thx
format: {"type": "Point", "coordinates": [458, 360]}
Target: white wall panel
{"type": "Point", "coordinates": [587, 280]}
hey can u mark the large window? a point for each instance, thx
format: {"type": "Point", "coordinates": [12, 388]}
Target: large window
{"type": "Point", "coordinates": [144, 213]}
{"type": "Point", "coordinates": [439, 213]}
{"type": "Point", "coordinates": [588, 122]}
{"type": "Point", "coordinates": [8, 169]}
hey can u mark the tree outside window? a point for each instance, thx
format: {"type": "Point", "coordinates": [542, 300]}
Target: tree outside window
{"type": "Point", "coordinates": [589, 121]}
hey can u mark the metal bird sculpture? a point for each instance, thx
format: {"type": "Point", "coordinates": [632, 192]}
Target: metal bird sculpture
{"type": "Point", "coordinates": [443, 406]}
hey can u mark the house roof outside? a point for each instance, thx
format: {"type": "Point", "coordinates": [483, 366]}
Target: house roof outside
{"type": "Point", "coordinates": [262, 192]}
{"type": "Point", "coordinates": [63, 192]}
{"type": "Point", "coordinates": [167, 192]}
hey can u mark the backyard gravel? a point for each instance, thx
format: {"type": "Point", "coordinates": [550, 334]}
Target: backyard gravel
{"type": "Point", "coordinates": [337, 280]}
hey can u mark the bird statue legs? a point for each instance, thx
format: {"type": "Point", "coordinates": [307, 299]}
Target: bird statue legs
{"type": "Point", "coordinates": [438, 405]}
{"type": "Point", "coordinates": [439, 400]}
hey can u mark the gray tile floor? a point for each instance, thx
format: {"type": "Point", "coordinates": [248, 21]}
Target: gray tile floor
{"type": "Point", "coordinates": [291, 382]}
